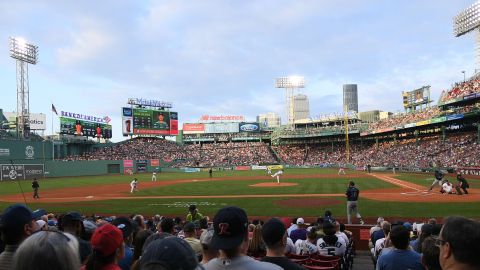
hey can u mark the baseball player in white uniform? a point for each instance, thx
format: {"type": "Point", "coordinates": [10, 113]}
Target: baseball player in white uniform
{"type": "Point", "coordinates": [341, 170]}
{"type": "Point", "coordinates": [154, 176]}
{"type": "Point", "coordinates": [277, 174]}
{"type": "Point", "coordinates": [133, 185]}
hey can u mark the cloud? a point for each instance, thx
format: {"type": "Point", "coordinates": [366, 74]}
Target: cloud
{"type": "Point", "coordinates": [88, 41]}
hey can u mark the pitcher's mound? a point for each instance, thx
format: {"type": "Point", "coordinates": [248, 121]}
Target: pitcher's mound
{"type": "Point", "coordinates": [272, 184]}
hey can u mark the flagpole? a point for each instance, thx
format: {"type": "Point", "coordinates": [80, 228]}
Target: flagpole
{"type": "Point", "coordinates": [53, 144]}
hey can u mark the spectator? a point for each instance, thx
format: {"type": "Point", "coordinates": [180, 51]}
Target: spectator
{"type": "Point", "coordinates": [169, 253]}
{"type": "Point", "coordinates": [72, 223]}
{"type": "Point", "coordinates": [377, 226]}
{"type": "Point", "coordinates": [401, 257]}
{"type": "Point", "coordinates": [190, 238]}
{"type": "Point", "coordinates": [331, 244]}
{"type": "Point", "coordinates": [459, 244]}
{"type": "Point", "coordinates": [108, 249]}
{"type": "Point", "coordinates": [208, 253]}
{"type": "Point", "coordinates": [274, 235]}
{"type": "Point", "coordinates": [256, 247]}
{"type": "Point", "coordinates": [307, 246]}
{"type": "Point", "coordinates": [300, 232]}
{"type": "Point", "coordinates": [231, 238]}
{"type": "Point", "coordinates": [45, 250]}
{"type": "Point", "coordinates": [430, 254]}
{"type": "Point", "coordinates": [16, 224]}
{"type": "Point", "coordinates": [425, 232]}
{"type": "Point", "coordinates": [166, 226]}
{"type": "Point", "coordinates": [193, 213]}
{"type": "Point", "coordinates": [382, 243]}
{"type": "Point", "coordinates": [293, 226]}
{"type": "Point", "coordinates": [138, 243]}
{"type": "Point", "coordinates": [126, 226]}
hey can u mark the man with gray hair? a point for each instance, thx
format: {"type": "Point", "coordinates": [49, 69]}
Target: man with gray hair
{"type": "Point", "coordinates": [208, 252]}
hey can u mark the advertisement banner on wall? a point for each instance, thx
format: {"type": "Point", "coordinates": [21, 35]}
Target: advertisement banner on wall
{"type": "Point", "coordinates": [249, 127]}
{"type": "Point", "coordinates": [21, 171]}
{"type": "Point", "coordinates": [128, 163]}
{"type": "Point", "coordinates": [221, 128]}
{"type": "Point", "coordinates": [127, 121]}
{"type": "Point", "coordinates": [38, 121]}
{"type": "Point", "coordinates": [154, 162]}
{"type": "Point", "coordinates": [193, 128]}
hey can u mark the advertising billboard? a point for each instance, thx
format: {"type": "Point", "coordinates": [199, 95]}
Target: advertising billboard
{"type": "Point", "coordinates": [193, 128]}
{"type": "Point", "coordinates": [38, 121]}
{"type": "Point", "coordinates": [416, 97]}
{"type": "Point", "coordinates": [249, 127]}
{"type": "Point", "coordinates": [149, 122]}
{"type": "Point", "coordinates": [77, 127]}
{"type": "Point", "coordinates": [221, 128]}
{"type": "Point", "coordinates": [21, 171]}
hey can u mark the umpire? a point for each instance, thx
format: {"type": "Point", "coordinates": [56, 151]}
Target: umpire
{"type": "Point", "coordinates": [35, 187]}
{"type": "Point", "coordinates": [352, 206]}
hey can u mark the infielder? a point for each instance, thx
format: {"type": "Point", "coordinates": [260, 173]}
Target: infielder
{"type": "Point", "coordinates": [133, 185]}
{"type": "Point", "coordinates": [154, 177]}
{"type": "Point", "coordinates": [352, 198]}
{"type": "Point", "coordinates": [277, 174]}
{"type": "Point", "coordinates": [341, 170]}
{"type": "Point", "coordinates": [438, 179]}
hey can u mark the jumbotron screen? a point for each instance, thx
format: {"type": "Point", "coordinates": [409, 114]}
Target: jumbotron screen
{"type": "Point", "coordinates": [139, 121]}
{"type": "Point", "coordinates": [71, 126]}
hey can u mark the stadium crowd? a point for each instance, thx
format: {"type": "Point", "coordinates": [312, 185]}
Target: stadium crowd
{"type": "Point", "coordinates": [405, 118]}
{"type": "Point", "coordinates": [37, 240]}
{"type": "Point", "coordinates": [456, 149]}
{"type": "Point", "coordinates": [462, 89]}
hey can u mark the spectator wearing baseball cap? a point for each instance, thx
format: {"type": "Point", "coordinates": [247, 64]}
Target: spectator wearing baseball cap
{"type": "Point", "coordinates": [300, 232]}
{"type": "Point", "coordinates": [108, 248]}
{"type": "Point", "coordinates": [126, 226]}
{"type": "Point", "coordinates": [231, 238]}
{"type": "Point", "coordinates": [208, 253]}
{"type": "Point", "coordinates": [275, 237]}
{"type": "Point", "coordinates": [193, 213]}
{"type": "Point", "coordinates": [16, 224]}
{"type": "Point", "coordinates": [45, 250]}
{"type": "Point", "coordinates": [168, 253]}
{"type": "Point", "coordinates": [189, 232]}
{"type": "Point", "coordinates": [72, 223]}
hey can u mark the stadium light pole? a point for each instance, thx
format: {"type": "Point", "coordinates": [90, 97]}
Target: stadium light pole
{"type": "Point", "coordinates": [24, 53]}
{"type": "Point", "coordinates": [290, 84]}
{"type": "Point", "coordinates": [463, 71]}
{"type": "Point", "coordinates": [466, 21]}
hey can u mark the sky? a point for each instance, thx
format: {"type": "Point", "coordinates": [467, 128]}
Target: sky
{"type": "Point", "coordinates": [220, 57]}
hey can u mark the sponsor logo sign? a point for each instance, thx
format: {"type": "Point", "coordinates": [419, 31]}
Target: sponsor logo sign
{"type": "Point", "coordinates": [249, 127]}
{"type": "Point", "coordinates": [128, 163]}
{"type": "Point", "coordinates": [4, 152]}
{"type": "Point", "coordinates": [154, 162]}
{"type": "Point", "coordinates": [97, 119]}
{"type": "Point", "coordinates": [38, 121]}
{"type": "Point", "coordinates": [256, 167]}
{"type": "Point", "coordinates": [29, 152]}
{"type": "Point", "coordinates": [193, 128]}
{"type": "Point", "coordinates": [242, 168]}
{"type": "Point", "coordinates": [21, 171]}
{"type": "Point", "coordinates": [214, 118]}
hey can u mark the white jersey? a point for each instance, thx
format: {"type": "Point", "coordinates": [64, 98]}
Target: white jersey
{"type": "Point", "coordinates": [290, 247]}
{"type": "Point", "coordinates": [133, 184]}
{"type": "Point", "coordinates": [277, 173]}
{"type": "Point", "coordinates": [447, 187]}
{"type": "Point", "coordinates": [305, 247]}
{"type": "Point", "coordinates": [338, 249]}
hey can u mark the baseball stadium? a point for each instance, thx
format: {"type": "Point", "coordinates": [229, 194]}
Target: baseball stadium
{"type": "Point", "coordinates": [414, 167]}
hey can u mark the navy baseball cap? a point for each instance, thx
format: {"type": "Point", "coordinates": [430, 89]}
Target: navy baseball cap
{"type": "Point", "coordinates": [125, 225]}
{"type": "Point", "coordinates": [18, 215]}
{"type": "Point", "coordinates": [230, 228]}
{"type": "Point", "coordinates": [172, 251]}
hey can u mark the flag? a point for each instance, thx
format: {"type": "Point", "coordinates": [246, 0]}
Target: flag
{"type": "Point", "coordinates": [54, 109]}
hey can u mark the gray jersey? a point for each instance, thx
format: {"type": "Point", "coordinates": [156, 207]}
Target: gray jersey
{"type": "Point", "coordinates": [240, 263]}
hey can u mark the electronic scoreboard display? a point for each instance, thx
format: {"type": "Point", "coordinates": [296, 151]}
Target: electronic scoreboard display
{"type": "Point", "coordinates": [77, 127]}
{"type": "Point", "coordinates": [137, 121]}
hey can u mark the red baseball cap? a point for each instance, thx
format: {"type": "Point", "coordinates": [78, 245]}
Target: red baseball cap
{"type": "Point", "coordinates": [107, 239]}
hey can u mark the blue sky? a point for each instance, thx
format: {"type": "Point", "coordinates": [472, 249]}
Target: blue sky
{"type": "Point", "coordinates": [221, 57]}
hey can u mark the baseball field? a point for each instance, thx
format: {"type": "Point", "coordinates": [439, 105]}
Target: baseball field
{"type": "Point", "coordinates": [302, 192]}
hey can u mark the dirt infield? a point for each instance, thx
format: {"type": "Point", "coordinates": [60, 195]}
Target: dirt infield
{"type": "Point", "coordinates": [406, 192]}
{"type": "Point", "coordinates": [272, 184]}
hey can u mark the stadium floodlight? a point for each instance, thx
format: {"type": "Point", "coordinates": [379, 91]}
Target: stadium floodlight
{"type": "Point", "coordinates": [466, 21]}
{"type": "Point", "coordinates": [24, 53]}
{"type": "Point", "coordinates": [290, 84]}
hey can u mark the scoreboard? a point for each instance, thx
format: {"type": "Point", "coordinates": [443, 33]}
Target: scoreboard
{"type": "Point", "coordinates": [417, 97]}
{"type": "Point", "coordinates": [138, 121]}
{"type": "Point", "coordinates": [77, 127]}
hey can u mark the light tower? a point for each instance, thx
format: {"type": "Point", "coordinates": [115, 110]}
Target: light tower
{"type": "Point", "coordinates": [290, 84]}
{"type": "Point", "coordinates": [466, 21]}
{"type": "Point", "coordinates": [25, 54]}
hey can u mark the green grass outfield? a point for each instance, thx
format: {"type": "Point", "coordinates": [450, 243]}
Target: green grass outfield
{"type": "Point", "coordinates": [253, 206]}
